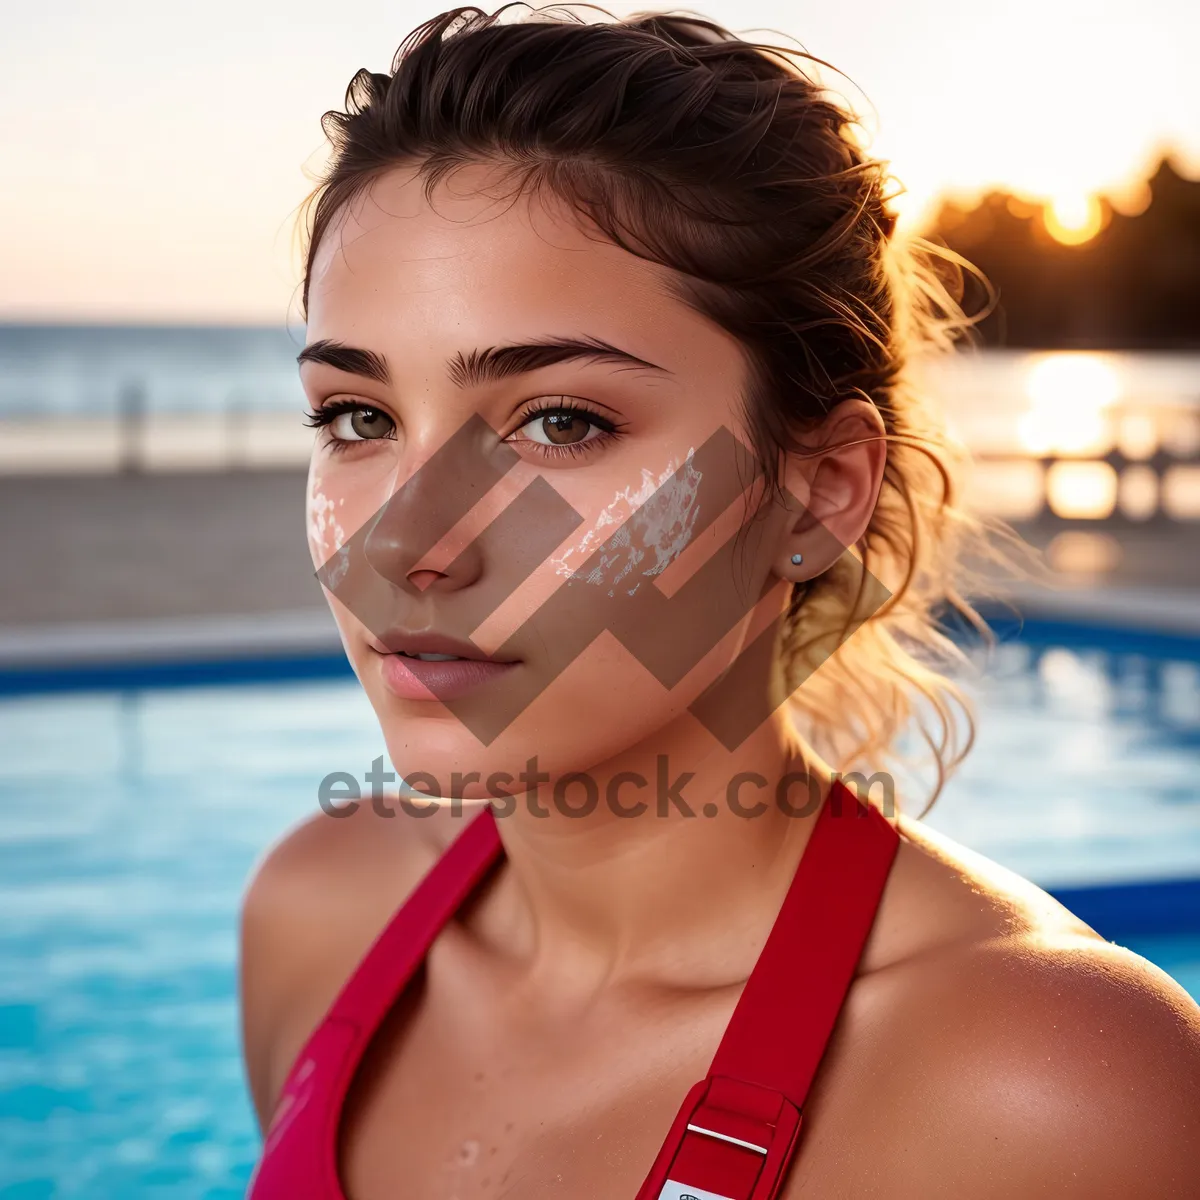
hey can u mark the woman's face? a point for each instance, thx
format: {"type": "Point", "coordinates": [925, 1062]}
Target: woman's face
{"type": "Point", "coordinates": [523, 504]}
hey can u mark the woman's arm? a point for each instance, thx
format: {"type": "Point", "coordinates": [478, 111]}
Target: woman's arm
{"type": "Point", "coordinates": [1026, 1067]}
{"type": "Point", "coordinates": [315, 903]}
{"type": "Point", "coordinates": [281, 959]}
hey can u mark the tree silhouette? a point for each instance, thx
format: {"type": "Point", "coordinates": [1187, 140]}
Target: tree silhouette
{"type": "Point", "coordinates": [1136, 284]}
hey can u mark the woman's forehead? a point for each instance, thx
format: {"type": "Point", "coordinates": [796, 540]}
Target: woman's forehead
{"type": "Point", "coordinates": [485, 270]}
{"type": "Point", "coordinates": [466, 234]}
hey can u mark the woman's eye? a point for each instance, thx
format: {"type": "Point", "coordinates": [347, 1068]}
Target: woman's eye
{"type": "Point", "coordinates": [563, 427]}
{"type": "Point", "coordinates": [361, 425]}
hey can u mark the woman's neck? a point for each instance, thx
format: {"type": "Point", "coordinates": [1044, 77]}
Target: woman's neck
{"type": "Point", "coordinates": [667, 863]}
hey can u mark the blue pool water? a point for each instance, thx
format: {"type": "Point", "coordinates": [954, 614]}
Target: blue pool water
{"type": "Point", "coordinates": [129, 819]}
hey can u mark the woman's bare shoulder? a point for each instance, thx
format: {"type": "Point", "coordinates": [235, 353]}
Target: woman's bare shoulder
{"type": "Point", "coordinates": [999, 1046]}
{"type": "Point", "coordinates": [315, 901]}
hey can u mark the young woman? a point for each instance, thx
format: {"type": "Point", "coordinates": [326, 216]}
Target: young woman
{"type": "Point", "coordinates": [636, 531]}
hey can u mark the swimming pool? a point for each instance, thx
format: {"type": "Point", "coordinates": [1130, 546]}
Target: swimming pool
{"type": "Point", "coordinates": [130, 816]}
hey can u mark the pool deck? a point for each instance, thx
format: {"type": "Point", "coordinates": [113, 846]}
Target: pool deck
{"type": "Point", "coordinates": [142, 566]}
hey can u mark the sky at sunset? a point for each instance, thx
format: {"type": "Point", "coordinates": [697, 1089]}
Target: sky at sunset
{"type": "Point", "coordinates": [154, 155]}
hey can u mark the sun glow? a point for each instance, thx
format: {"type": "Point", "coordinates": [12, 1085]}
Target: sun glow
{"type": "Point", "coordinates": [1071, 396]}
{"type": "Point", "coordinates": [1073, 219]}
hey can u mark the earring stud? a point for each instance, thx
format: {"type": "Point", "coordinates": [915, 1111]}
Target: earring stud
{"type": "Point", "coordinates": [797, 559]}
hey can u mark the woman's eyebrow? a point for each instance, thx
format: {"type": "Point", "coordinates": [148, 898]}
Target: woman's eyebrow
{"type": "Point", "coordinates": [479, 366]}
{"type": "Point", "coordinates": [346, 358]}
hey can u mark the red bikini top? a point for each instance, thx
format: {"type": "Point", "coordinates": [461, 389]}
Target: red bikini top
{"type": "Point", "coordinates": [737, 1129]}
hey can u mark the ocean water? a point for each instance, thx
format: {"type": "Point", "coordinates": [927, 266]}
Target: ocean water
{"type": "Point", "coordinates": [47, 370]}
{"type": "Point", "coordinates": [101, 399]}
{"type": "Point", "coordinates": [88, 370]}
{"type": "Point", "coordinates": [129, 820]}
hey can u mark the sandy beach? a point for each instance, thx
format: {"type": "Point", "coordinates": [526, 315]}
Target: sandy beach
{"type": "Point", "coordinates": [219, 558]}
{"type": "Point", "coordinates": [130, 547]}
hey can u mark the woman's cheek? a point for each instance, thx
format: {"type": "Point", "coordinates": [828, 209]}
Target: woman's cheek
{"type": "Point", "coordinates": [342, 499]}
{"type": "Point", "coordinates": [325, 518]}
{"type": "Point", "coordinates": [643, 528]}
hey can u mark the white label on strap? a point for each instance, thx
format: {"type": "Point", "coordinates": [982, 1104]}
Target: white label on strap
{"type": "Point", "coordinates": [685, 1191]}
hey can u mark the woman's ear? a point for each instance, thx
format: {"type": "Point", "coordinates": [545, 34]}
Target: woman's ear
{"type": "Point", "coordinates": [832, 484]}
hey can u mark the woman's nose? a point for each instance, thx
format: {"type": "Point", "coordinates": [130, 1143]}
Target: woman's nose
{"type": "Point", "coordinates": [406, 541]}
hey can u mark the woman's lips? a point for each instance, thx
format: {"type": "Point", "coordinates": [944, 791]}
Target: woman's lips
{"type": "Point", "coordinates": [415, 679]}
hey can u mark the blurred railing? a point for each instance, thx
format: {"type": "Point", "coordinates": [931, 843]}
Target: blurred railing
{"type": "Point", "coordinates": [1142, 466]}
{"type": "Point", "coordinates": [140, 438]}
{"type": "Point", "coordinates": [1061, 437]}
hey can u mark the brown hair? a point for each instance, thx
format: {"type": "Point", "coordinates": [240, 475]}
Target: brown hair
{"type": "Point", "coordinates": [722, 159]}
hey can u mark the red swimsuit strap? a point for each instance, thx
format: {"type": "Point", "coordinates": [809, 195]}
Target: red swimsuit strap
{"type": "Point", "coordinates": [791, 1001]}
{"type": "Point", "coordinates": [738, 1128]}
{"type": "Point", "coordinates": [789, 1004]}
{"type": "Point", "coordinates": [400, 949]}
